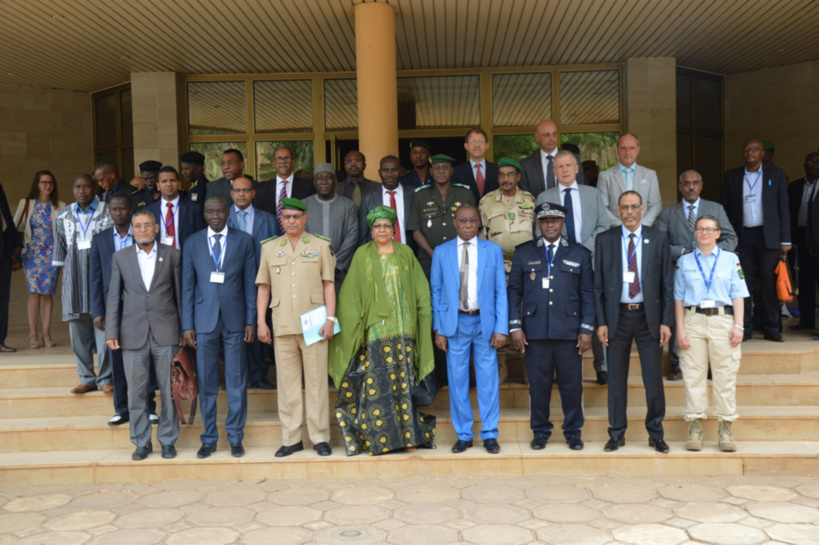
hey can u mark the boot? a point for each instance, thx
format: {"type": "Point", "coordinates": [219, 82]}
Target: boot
{"type": "Point", "coordinates": [694, 435]}
{"type": "Point", "coordinates": [726, 439]}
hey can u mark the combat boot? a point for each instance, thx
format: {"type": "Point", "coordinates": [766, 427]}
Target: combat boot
{"type": "Point", "coordinates": [694, 435]}
{"type": "Point", "coordinates": [726, 438]}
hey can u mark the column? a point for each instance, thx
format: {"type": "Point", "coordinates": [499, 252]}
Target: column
{"type": "Point", "coordinates": [156, 117]}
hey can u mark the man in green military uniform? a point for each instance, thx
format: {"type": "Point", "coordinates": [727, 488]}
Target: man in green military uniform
{"type": "Point", "coordinates": [432, 217]}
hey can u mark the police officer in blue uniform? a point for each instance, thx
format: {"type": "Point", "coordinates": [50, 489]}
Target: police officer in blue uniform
{"type": "Point", "coordinates": [551, 320]}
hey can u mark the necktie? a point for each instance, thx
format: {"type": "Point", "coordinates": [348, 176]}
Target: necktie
{"type": "Point", "coordinates": [169, 229]}
{"type": "Point", "coordinates": [627, 178]}
{"type": "Point", "coordinates": [464, 292]}
{"type": "Point", "coordinates": [634, 287]}
{"type": "Point", "coordinates": [357, 193]}
{"type": "Point", "coordinates": [243, 220]}
{"type": "Point", "coordinates": [551, 252]}
{"type": "Point", "coordinates": [692, 218]}
{"type": "Point", "coordinates": [282, 196]}
{"type": "Point", "coordinates": [217, 249]}
{"type": "Point", "coordinates": [550, 172]}
{"type": "Point", "coordinates": [397, 236]}
{"type": "Point", "coordinates": [571, 232]}
{"type": "Point", "coordinates": [479, 179]}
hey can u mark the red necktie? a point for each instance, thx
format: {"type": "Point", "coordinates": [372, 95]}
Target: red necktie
{"type": "Point", "coordinates": [169, 230]}
{"type": "Point", "coordinates": [634, 287]}
{"type": "Point", "coordinates": [479, 179]}
{"type": "Point", "coordinates": [394, 206]}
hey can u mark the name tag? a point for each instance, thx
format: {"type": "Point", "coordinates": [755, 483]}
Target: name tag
{"type": "Point", "coordinates": [167, 240]}
{"type": "Point", "coordinates": [84, 245]}
{"type": "Point", "coordinates": [628, 277]}
{"type": "Point", "coordinates": [545, 283]}
{"type": "Point", "coordinates": [217, 277]}
{"type": "Point", "coordinates": [750, 198]}
{"type": "Point", "coordinates": [707, 304]}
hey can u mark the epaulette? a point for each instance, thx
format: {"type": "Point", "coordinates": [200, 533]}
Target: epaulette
{"type": "Point", "coordinates": [269, 239]}
{"type": "Point", "coordinates": [462, 186]}
{"type": "Point", "coordinates": [135, 191]}
{"type": "Point", "coordinates": [321, 237]}
{"type": "Point", "coordinates": [425, 186]}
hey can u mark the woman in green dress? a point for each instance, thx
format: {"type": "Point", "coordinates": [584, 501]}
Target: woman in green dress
{"type": "Point", "coordinates": [384, 347]}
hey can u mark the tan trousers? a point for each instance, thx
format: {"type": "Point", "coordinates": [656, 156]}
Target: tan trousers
{"type": "Point", "coordinates": [292, 357]}
{"type": "Point", "coordinates": [710, 341]}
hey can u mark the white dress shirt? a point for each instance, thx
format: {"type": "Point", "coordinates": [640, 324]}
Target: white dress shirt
{"type": "Point", "coordinates": [399, 208]}
{"type": "Point", "coordinates": [638, 249]}
{"type": "Point", "coordinates": [472, 289]}
{"type": "Point", "coordinates": [147, 264]}
{"type": "Point", "coordinates": [163, 226]}
{"type": "Point", "coordinates": [249, 218]}
{"type": "Point", "coordinates": [222, 242]}
{"type": "Point", "coordinates": [752, 198]}
{"type": "Point", "coordinates": [578, 217]}
{"type": "Point", "coordinates": [289, 190]}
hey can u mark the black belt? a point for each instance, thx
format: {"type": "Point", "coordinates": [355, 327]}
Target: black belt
{"type": "Point", "coordinates": [470, 312]}
{"type": "Point", "coordinates": [632, 306]}
{"type": "Point", "coordinates": [714, 311]}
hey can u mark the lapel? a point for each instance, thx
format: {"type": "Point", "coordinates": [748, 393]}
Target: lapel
{"type": "Point", "coordinates": [160, 262]}
{"type": "Point", "coordinates": [683, 213]}
{"type": "Point", "coordinates": [408, 193]}
{"type": "Point", "coordinates": [618, 175]}
{"type": "Point", "coordinates": [131, 257]}
{"type": "Point", "coordinates": [257, 222]}
{"type": "Point", "coordinates": [538, 163]}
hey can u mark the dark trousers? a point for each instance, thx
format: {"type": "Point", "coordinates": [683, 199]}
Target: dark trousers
{"type": "Point", "coordinates": [632, 325]}
{"type": "Point", "coordinates": [543, 358]}
{"type": "Point", "coordinates": [257, 366]}
{"type": "Point", "coordinates": [207, 367]}
{"type": "Point", "coordinates": [121, 385]}
{"type": "Point", "coordinates": [753, 254]}
{"type": "Point", "coordinates": [807, 278]}
{"type": "Point", "coordinates": [5, 294]}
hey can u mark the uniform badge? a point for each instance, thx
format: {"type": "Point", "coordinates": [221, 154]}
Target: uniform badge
{"type": "Point", "coordinates": [532, 276]}
{"type": "Point", "coordinates": [431, 203]}
{"type": "Point", "coordinates": [279, 254]}
{"type": "Point", "coordinates": [160, 259]}
{"type": "Point", "coordinates": [457, 204]}
{"type": "Point", "coordinates": [739, 270]}
{"type": "Point", "coordinates": [305, 239]}
{"type": "Point", "coordinates": [429, 224]}
{"type": "Point", "coordinates": [512, 216]}
{"type": "Point", "coordinates": [533, 262]}
{"type": "Point", "coordinates": [284, 241]}
{"type": "Point", "coordinates": [194, 197]}
{"type": "Point", "coordinates": [310, 253]}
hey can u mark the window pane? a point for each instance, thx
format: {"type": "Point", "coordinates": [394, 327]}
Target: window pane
{"type": "Point", "coordinates": [709, 164]}
{"type": "Point", "coordinates": [283, 106]}
{"type": "Point", "coordinates": [515, 146]}
{"type": "Point", "coordinates": [127, 122]}
{"type": "Point", "coordinates": [600, 147]}
{"type": "Point", "coordinates": [302, 153]}
{"type": "Point", "coordinates": [217, 107]}
{"type": "Point", "coordinates": [127, 164]}
{"type": "Point", "coordinates": [340, 104]}
{"type": "Point", "coordinates": [589, 97]}
{"type": "Point", "coordinates": [521, 100]}
{"type": "Point", "coordinates": [105, 109]}
{"type": "Point", "coordinates": [213, 155]}
{"type": "Point", "coordinates": [445, 101]}
{"type": "Point", "coordinates": [684, 103]}
{"type": "Point", "coordinates": [708, 96]}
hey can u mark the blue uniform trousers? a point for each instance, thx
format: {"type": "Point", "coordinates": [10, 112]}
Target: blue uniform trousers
{"type": "Point", "coordinates": [466, 340]}
{"type": "Point", "coordinates": [543, 358]}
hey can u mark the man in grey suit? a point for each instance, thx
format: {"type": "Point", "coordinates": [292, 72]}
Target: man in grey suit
{"type": "Point", "coordinates": [678, 222]}
{"type": "Point", "coordinates": [233, 166]}
{"type": "Point", "coordinates": [537, 171]}
{"type": "Point", "coordinates": [586, 219]}
{"type": "Point", "coordinates": [628, 175]}
{"type": "Point", "coordinates": [143, 319]}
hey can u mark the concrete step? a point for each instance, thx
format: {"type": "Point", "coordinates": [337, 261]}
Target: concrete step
{"type": "Point", "coordinates": [108, 466]}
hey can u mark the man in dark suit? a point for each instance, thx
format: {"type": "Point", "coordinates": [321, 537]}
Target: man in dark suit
{"type": "Point", "coordinates": [10, 248]}
{"type": "Point", "coordinates": [103, 246]}
{"type": "Point", "coordinates": [678, 222]}
{"type": "Point", "coordinates": [192, 169]}
{"type": "Point", "coordinates": [106, 175]}
{"type": "Point", "coordinates": [219, 313]}
{"type": "Point", "coordinates": [537, 171]}
{"type": "Point", "coordinates": [233, 166]}
{"type": "Point", "coordinates": [634, 301]}
{"type": "Point", "coordinates": [391, 192]}
{"type": "Point", "coordinates": [479, 174]}
{"type": "Point", "coordinates": [356, 186]}
{"type": "Point", "coordinates": [755, 197]}
{"type": "Point", "coordinates": [142, 318]}
{"type": "Point", "coordinates": [286, 185]}
{"type": "Point", "coordinates": [801, 195]}
{"type": "Point", "coordinates": [178, 217]}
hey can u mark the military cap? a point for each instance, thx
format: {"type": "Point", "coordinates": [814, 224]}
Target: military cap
{"type": "Point", "coordinates": [420, 144]}
{"type": "Point", "coordinates": [506, 162]}
{"type": "Point", "coordinates": [323, 167]}
{"type": "Point", "coordinates": [293, 204]}
{"type": "Point", "coordinates": [150, 166]}
{"type": "Point", "coordinates": [441, 158]}
{"type": "Point", "coordinates": [550, 210]}
{"type": "Point", "coordinates": [767, 145]}
{"type": "Point", "coordinates": [192, 157]}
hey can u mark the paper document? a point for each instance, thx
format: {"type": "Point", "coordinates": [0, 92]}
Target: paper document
{"type": "Point", "coordinates": [312, 321]}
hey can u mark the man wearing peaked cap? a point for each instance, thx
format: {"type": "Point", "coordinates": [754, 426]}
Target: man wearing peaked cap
{"type": "Point", "coordinates": [192, 169]}
{"type": "Point", "coordinates": [419, 157]}
{"type": "Point", "coordinates": [150, 175]}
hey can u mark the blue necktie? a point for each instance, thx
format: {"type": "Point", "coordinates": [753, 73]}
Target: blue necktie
{"type": "Point", "coordinates": [243, 217]}
{"type": "Point", "coordinates": [571, 233]}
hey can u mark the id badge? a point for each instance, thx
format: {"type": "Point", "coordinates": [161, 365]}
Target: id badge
{"type": "Point", "coordinates": [628, 277]}
{"type": "Point", "coordinates": [167, 240]}
{"type": "Point", "coordinates": [217, 277]}
{"type": "Point", "coordinates": [707, 304]}
{"type": "Point", "coordinates": [84, 245]}
{"type": "Point", "coordinates": [545, 283]}
{"type": "Point", "coordinates": [750, 198]}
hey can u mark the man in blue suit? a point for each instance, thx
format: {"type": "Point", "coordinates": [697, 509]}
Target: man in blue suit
{"type": "Point", "coordinates": [469, 315]}
{"type": "Point", "coordinates": [219, 311]}
{"type": "Point", "coordinates": [261, 226]}
{"type": "Point", "coordinates": [551, 321]}
{"type": "Point", "coordinates": [178, 217]}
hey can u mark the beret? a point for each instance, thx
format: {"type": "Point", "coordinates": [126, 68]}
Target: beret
{"type": "Point", "coordinates": [150, 166]}
{"type": "Point", "coordinates": [293, 204]}
{"type": "Point", "coordinates": [506, 162]}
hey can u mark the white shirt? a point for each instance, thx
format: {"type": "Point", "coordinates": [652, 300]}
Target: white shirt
{"type": "Point", "coordinates": [163, 226]}
{"type": "Point", "coordinates": [222, 242]}
{"type": "Point", "coordinates": [638, 249]}
{"type": "Point", "coordinates": [249, 218]}
{"type": "Point", "coordinates": [752, 198]}
{"type": "Point", "coordinates": [147, 264]}
{"type": "Point", "coordinates": [399, 208]}
{"type": "Point", "coordinates": [472, 288]}
{"type": "Point", "coordinates": [808, 194]}
{"type": "Point", "coordinates": [289, 190]}
{"type": "Point", "coordinates": [578, 217]}
{"type": "Point", "coordinates": [544, 162]}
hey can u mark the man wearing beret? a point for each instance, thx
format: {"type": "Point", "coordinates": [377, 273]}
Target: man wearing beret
{"type": "Point", "coordinates": [419, 157]}
{"type": "Point", "coordinates": [149, 170]}
{"type": "Point", "coordinates": [296, 276]}
{"type": "Point", "coordinates": [551, 320]}
{"type": "Point", "coordinates": [192, 169]}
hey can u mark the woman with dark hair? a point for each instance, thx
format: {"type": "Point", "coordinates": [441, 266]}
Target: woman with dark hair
{"type": "Point", "coordinates": [35, 217]}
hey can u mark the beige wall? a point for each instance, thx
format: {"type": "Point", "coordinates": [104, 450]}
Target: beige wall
{"type": "Point", "coordinates": [778, 104]}
{"type": "Point", "coordinates": [155, 113]}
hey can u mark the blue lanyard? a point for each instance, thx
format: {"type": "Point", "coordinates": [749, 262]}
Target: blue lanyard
{"type": "Point", "coordinates": [124, 240]}
{"type": "Point", "coordinates": [702, 273]}
{"type": "Point", "coordinates": [758, 177]}
{"type": "Point", "coordinates": [217, 262]}
{"type": "Point", "coordinates": [548, 262]}
{"type": "Point", "coordinates": [170, 221]}
{"type": "Point", "coordinates": [84, 229]}
{"type": "Point", "coordinates": [636, 245]}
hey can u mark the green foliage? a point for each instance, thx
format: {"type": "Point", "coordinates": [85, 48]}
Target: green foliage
{"type": "Point", "coordinates": [598, 146]}
{"type": "Point", "coordinates": [515, 146]}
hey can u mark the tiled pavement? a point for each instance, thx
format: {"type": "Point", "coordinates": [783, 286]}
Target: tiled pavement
{"type": "Point", "coordinates": [483, 511]}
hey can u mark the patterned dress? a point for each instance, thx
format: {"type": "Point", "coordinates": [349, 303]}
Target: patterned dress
{"type": "Point", "coordinates": [374, 406]}
{"type": "Point", "coordinates": [41, 277]}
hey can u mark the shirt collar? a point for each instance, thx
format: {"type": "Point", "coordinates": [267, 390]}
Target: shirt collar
{"type": "Point", "coordinates": [128, 234]}
{"type": "Point", "coordinates": [482, 162]}
{"type": "Point", "coordinates": [385, 190]}
{"type": "Point", "coordinates": [90, 209]}
{"type": "Point", "coordinates": [249, 209]}
{"type": "Point", "coordinates": [696, 204]}
{"type": "Point", "coordinates": [624, 168]}
{"type": "Point", "coordinates": [637, 234]}
{"type": "Point", "coordinates": [149, 254]}
{"type": "Point", "coordinates": [289, 179]}
{"type": "Point", "coordinates": [223, 232]}
{"type": "Point", "coordinates": [698, 252]}
{"type": "Point", "coordinates": [470, 241]}
{"type": "Point", "coordinates": [544, 155]}
{"type": "Point", "coordinates": [174, 202]}
{"type": "Point", "coordinates": [564, 188]}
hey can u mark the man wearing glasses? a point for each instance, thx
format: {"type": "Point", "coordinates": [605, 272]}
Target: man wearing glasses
{"type": "Point", "coordinates": [477, 173]}
{"type": "Point", "coordinates": [356, 185]}
{"type": "Point", "coordinates": [269, 195]}
{"type": "Point", "coordinates": [233, 166]}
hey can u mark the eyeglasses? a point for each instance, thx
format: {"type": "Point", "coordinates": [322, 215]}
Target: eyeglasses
{"type": "Point", "coordinates": [468, 221]}
{"type": "Point", "coordinates": [49, 182]}
{"type": "Point", "coordinates": [241, 189]}
{"type": "Point", "coordinates": [352, 161]}
{"type": "Point", "coordinates": [286, 217]}
{"type": "Point", "coordinates": [706, 230]}
{"type": "Point", "coordinates": [229, 163]}
{"type": "Point", "coordinates": [142, 226]}
{"type": "Point", "coordinates": [752, 148]}
{"type": "Point", "coordinates": [510, 175]}
{"type": "Point", "coordinates": [282, 159]}
{"type": "Point", "coordinates": [807, 164]}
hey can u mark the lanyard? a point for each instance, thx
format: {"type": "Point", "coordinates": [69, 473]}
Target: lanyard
{"type": "Point", "coordinates": [84, 228]}
{"type": "Point", "coordinates": [758, 177]}
{"type": "Point", "coordinates": [634, 253]}
{"type": "Point", "coordinates": [702, 273]}
{"type": "Point", "coordinates": [170, 221]}
{"type": "Point", "coordinates": [549, 263]}
{"type": "Point", "coordinates": [218, 262]}
{"type": "Point", "coordinates": [123, 241]}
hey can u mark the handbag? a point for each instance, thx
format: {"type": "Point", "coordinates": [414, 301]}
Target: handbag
{"type": "Point", "coordinates": [424, 394]}
{"type": "Point", "coordinates": [183, 383]}
{"type": "Point", "coordinates": [784, 285]}
{"type": "Point", "coordinates": [17, 264]}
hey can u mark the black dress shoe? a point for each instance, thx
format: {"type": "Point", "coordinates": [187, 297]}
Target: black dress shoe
{"type": "Point", "coordinates": [168, 451]}
{"type": "Point", "coordinates": [613, 444]}
{"type": "Point", "coordinates": [461, 446]}
{"type": "Point", "coordinates": [575, 443]}
{"type": "Point", "coordinates": [206, 450]}
{"type": "Point", "coordinates": [674, 375]}
{"type": "Point", "coordinates": [659, 445]}
{"type": "Point", "coordinates": [775, 337]}
{"type": "Point", "coordinates": [118, 419]}
{"type": "Point", "coordinates": [142, 452]}
{"type": "Point", "coordinates": [237, 450]}
{"type": "Point", "coordinates": [800, 327]}
{"type": "Point", "coordinates": [491, 446]}
{"type": "Point", "coordinates": [287, 451]}
{"type": "Point", "coordinates": [263, 384]}
{"type": "Point", "coordinates": [538, 443]}
{"type": "Point", "coordinates": [323, 449]}
{"type": "Point", "coordinates": [602, 377]}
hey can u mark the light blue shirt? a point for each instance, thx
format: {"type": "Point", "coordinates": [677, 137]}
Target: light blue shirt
{"type": "Point", "coordinates": [727, 284]}
{"type": "Point", "coordinates": [638, 249]}
{"type": "Point", "coordinates": [122, 242]}
{"type": "Point", "coordinates": [752, 198]}
{"type": "Point", "coordinates": [90, 209]}
{"type": "Point", "coordinates": [249, 218]}
{"type": "Point", "coordinates": [628, 176]}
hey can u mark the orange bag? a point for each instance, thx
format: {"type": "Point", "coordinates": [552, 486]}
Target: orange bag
{"type": "Point", "coordinates": [784, 286]}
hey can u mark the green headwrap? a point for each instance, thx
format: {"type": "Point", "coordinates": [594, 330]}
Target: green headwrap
{"type": "Point", "coordinates": [381, 213]}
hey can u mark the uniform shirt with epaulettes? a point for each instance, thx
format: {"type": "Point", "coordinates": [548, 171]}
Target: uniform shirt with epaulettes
{"type": "Point", "coordinates": [435, 218]}
{"type": "Point", "coordinates": [507, 221]}
{"type": "Point", "coordinates": [721, 269]}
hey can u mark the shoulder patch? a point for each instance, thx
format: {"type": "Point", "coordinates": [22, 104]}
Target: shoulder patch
{"type": "Point", "coordinates": [425, 186]}
{"type": "Point", "coordinates": [462, 186]}
{"type": "Point", "coordinates": [269, 239]}
{"type": "Point", "coordinates": [321, 237]}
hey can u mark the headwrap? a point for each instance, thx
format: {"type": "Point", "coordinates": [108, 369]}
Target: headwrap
{"type": "Point", "coordinates": [381, 213]}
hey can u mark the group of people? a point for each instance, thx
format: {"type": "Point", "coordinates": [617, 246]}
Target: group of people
{"type": "Point", "coordinates": [422, 274]}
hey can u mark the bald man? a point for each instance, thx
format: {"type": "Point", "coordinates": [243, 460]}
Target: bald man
{"type": "Point", "coordinates": [537, 171]}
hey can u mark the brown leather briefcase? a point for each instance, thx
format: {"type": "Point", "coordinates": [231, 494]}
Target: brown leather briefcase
{"type": "Point", "coordinates": [183, 383]}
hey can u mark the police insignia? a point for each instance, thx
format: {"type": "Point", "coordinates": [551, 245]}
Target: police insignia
{"type": "Point", "coordinates": [305, 239]}
{"type": "Point", "coordinates": [532, 276]}
{"type": "Point", "coordinates": [739, 270]}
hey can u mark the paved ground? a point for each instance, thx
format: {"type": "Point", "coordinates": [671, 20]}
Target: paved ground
{"type": "Point", "coordinates": [482, 511]}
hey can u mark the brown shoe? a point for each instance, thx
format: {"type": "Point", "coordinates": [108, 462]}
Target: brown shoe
{"type": "Point", "coordinates": [674, 375]}
{"type": "Point", "coordinates": [4, 348]}
{"type": "Point", "coordinates": [83, 389]}
{"type": "Point", "coordinates": [108, 388]}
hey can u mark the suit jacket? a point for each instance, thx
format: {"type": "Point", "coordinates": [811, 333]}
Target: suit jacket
{"type": "Point", "coordinates": [563, 311]}
{"type": "Point", "coordinates": [795, 190]}
{"type": "Point", "coordinates": [812, 234]}
{"type": "Point", "coordinates": [9, 237]}
{"type": "Point", "coordinates": [776, 224]}
{"type": "Point", "coordinates": [132, 311]}
{"type": "Point", "coordinates": [464, 174]}
{"type": "Point", "coordinates": [189, 219]}
{"type": "Point", "coordinates": [592, 211]}
{"type": "Point", "coordinates": [611, 185]}
{"type": "Point", "coordinates": [445, 283]}
{"type": "Point", "coordinates": [531, 174]}
{"type": "Point", "coordinates": [374, 199]}
{"type": "Point", "coordinates": [656, 279]}
{"type": "Point", "coordinates": [345, 188]}
{"type": "Point", "coordinates": [220, 187]}
{"type": "Point", "coordinates": [265, 226]}
{"type": "Point", "coordinates": [266, 193]}
{"type": "Point", "coordinates": [674, 222]}
{"type": "Point", "coordinates": [99, 268]}
{"type": "Point", "coordinates": [235, 299]}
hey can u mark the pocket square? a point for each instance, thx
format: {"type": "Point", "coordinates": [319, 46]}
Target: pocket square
{"type": "Point", "coordinates": [643, 181]}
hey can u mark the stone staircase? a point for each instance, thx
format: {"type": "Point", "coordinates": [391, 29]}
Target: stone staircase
{"type": "Point", "coordinates": [48, 435]}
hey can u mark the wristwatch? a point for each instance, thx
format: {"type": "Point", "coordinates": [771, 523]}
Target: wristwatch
{"type": "Point", "coordinates": [333, 319]}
